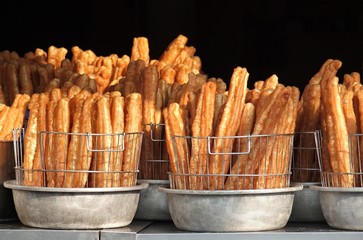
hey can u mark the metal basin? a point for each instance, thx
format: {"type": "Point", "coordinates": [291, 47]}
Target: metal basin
{"type": "Point", "coordinates": [75, 208]}
{"type": "Point", "coordinates": [306, 207]}
{"type": "Point", "coordinates": [234, 210]}
{"type": "Point", "coordinates": [342, 207]}
{"type": "Point", "coordinates": [7, 172]}
{"type": "Point", "coordinates": [153, 204]}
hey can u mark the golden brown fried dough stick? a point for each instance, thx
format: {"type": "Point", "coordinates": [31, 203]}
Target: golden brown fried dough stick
{"type": "Point", "coordinates": [228, 126]}
{"type": "Point", "coordinates": [178, 132]}
{"type": "Point", "coordinates": [38, 165]}
{"type": "Point", "coordinates": [182, 72]}
{"type": "Point", "coordinates": [202, 127]}
{"type": "Point", "coordinates": [176, 182]}
{"type": "Point", "coordinates": [133, 124]}
{"type": "Point", "coordinates": [140, 50]}
{"type": "Point", "coordinates": [242, 163]}
{"type": "Point", "coordinates": [336, 127]}
{"type": "Point", "coordinates": [61, 124]}
{"type": "Point", "coordinates": [359, 97]}
{"type": "Point", "coordinates": [3, 115]}
{"type": "Point", "coordinates": [9, 120]}
{"type": "Point", "coordinates": [206, 129]}
{"type": "Point", "coordinates": [56, 55]}
{"type": "Point", "coordinates": [84, 163]}
{"type": "Point", "coordinates": [118, 127]}
{"type": "Point", "coordinates": [268, 87]}
{"type": "Point", "coordinates": [285, 148]}
{"type": "Point", "coordinates": [270, 127]}
{"type": "Point", "coordinates": [168, 74]}
{"type": "Point", "coordinates": [74, 152]}
{"type": "Point", "coordinates": [351, 122]}
{"type": "Point", "coordinates": [103, 142]}
{"type": "Point", "coordinates": [262, 124]}
{"type": "Point", "coordinates": [194, 160]}
{"type": "Point", "coordinates": [173, 50]}
{"type": "Point", "coordinates": [22, 107]}
{"type": "Point", "coordinates": [30, 141]}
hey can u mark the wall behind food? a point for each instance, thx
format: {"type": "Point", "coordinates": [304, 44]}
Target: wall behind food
{"type": "Point", "coordinates": [290, 38]}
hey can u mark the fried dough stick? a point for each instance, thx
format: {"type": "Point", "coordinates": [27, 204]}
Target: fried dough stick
{"type": "Point", "coordinates": [118, 127]}
{"type": "Point", "coordinates": [133, 124]}
{"type": "Point", "coordinates": [30, 141]}
{"type": "Point", "coordinates": [61, 124]}
{"type": "Point", "coordinates": [351, 122]}
{"type": "Point", "coordinates": [308, 121]}
{"type": "Point", "coordinates": [104, 142]}
{"type": "Point", "coordinates": [84, 162]}
{"type": "Point", "coordinates": [242, 163]}
{"type": "Point", "coordinates": [202, 128]}
{"type": "Point", "coordinates": [228, 126]}
{"type": "Point", "coordinates": [262, 123]}
{"type": "Point", "coordinates": [280, 157]}
{"type": "Point", "coordinates": [150, 82]}
{"type": "Point", "coordinates": [73, 154]}
{"type": "Point", "coordinates": [336, 133]}
{"type": "Point", "coordinates": [265, 145]}
{"type": "Point", "coordinates": [140, 50]}
{"type": "Point", "coordinates": [177, 144]}
{"type": "Point", "coordinates": [39, 176]}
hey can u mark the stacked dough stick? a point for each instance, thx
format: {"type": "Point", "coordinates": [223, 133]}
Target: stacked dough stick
{"type": "Point", "coordinates": [270, 108]}
{"type": "Point", "coordinates": [335, 109]}
{"type": "Point", "coordinates": [60, 89]}
{"type": "Point", "coordinates": [68, 154]}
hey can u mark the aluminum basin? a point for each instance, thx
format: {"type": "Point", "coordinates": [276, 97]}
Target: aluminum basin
{"type": "Point", "coordinates": [306, 207]}
{"type": "Point", "coordinates": [153, 204]}
{"type": "Point", "coordinates": [342, 207]}
{"type": "Point", "coordinates": [75, 208]}
{"type": "Point", "coordinates": [7, 172]}
{"type": "Point", "coordinates": [231, 210]}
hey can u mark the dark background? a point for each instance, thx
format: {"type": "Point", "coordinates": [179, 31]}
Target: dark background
{"type": "Point", "coordinates": [289, 38]}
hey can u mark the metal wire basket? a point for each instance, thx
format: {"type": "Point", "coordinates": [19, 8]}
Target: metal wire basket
{"type": "Point", "coordinates": [353, 177]}
{"type": "Point", "coordinates": [78, 160]}
{"type": "Point", "coordinates": [154, 159]}
{"type": "Point", "coordinates": [231, 163]}
{"type": "Point", "coordinates": [305, 159]}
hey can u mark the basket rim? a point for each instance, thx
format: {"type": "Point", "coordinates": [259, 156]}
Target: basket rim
{"type": "Point", "coordinates": [236, 136]}
{"type": "Point", "coordinates": [320, 188]}
{"type": "Point", "coordinates": [153, 181]}
{"type": "Point", "coordinates": [12, 184]}
{"type": "Point", "coordinates": [293, 188]}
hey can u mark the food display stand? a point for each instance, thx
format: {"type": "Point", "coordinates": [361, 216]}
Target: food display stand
{"type": "Point", "coordinates": [150, 230]}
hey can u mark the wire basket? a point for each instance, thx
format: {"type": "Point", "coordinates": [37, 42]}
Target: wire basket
{"type": "Point", "coordinates": [78, 160]}
{"type": "Point", "coordinates": [353, 177]}
{"type": "Point", "coordinates": [305, 159]}
{"type": "Point", "coordinates": [231, 163]}
{"type": "Point", "coordinates": [154, 159]}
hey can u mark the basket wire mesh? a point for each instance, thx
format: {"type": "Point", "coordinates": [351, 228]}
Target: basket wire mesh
{"type": "Point", "coordinates": [154, 159]}
{"type": "Point", "coordinates": [306, 154]}
{"type": "Point", "coordinates": [353, 177]}
{"type": "Point", "coordinates": [231, 163]}
{"type": "Point", "coordinates": [76, 160]}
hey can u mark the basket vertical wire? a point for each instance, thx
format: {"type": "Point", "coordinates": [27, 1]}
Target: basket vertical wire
{"type": "Point", "coordinates": [244, 162]}
{"type": "Point", "coordinates": [306, 157]}
{"type": "Point", "coordinates": [94, 163]}
{"type": "Point", "coordinates": [351, 178]}
{"type": "Point", "coordinates": [154, 159]}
